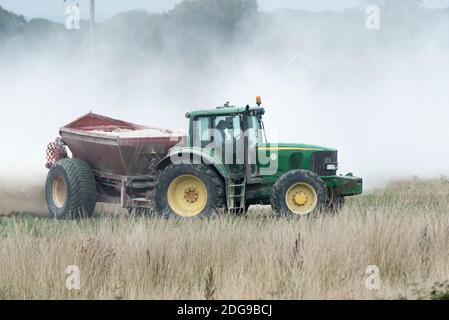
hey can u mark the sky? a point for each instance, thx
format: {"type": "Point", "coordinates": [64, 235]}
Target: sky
{"type": "Point", "coordinates": [54, 9]}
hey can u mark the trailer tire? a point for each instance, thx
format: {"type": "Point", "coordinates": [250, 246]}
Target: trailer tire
{"type": "Point", "coordinates": [70, 189]}
{"type": "Point", "coordinates": [189, 191]}
{"type": "Point", "coordinates": [298, 193]}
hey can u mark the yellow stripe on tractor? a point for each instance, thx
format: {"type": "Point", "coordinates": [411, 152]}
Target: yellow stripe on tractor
{"type": "Point", "coordinates": [288, 149]}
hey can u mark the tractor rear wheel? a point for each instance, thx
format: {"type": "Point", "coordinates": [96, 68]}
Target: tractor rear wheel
{"type": "Point", "coordinates": [298, 193]}
{"type": "Point", "coordinates": [70, 189]}
{"type": "Point", "coordinates": [188, 191]}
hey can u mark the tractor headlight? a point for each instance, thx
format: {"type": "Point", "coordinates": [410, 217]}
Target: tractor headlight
{"type": "Point", "coordinates": [332, 167]}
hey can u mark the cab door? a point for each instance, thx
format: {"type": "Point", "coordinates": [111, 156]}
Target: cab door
{"type": "Point", "coordinates": [229, 130]}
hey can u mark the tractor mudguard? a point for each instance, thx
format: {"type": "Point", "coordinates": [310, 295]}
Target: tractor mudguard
{"type": "Point", "coordinates": [193, 156]}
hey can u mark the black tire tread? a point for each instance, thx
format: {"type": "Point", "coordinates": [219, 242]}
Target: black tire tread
{"type": "Point", "coordinates": [81, 188]}
{"type": "Point", "coordinates": [160, 193]}
{"type": "Point", "coordinates": [277, 194]}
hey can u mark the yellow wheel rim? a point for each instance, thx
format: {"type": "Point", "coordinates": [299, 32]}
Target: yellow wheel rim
{"type": "Point", "coordinates": [301, 198]}
{"type": "Point", "coordinates": [187, 196]}
{"type": "Point", "coordinates": [59, 192]}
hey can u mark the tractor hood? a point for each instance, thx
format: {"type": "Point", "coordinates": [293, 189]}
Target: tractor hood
{"type": "Point", "coordinates": [290, 156]}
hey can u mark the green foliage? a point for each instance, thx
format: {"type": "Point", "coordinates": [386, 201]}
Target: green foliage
{"type": "Point", "coordinates": [195, 31]}
{"type": "Point", "coordinates": [43, 27]}
{"type": "Point", "coordinates": [137, 27]}
{"type": "Point", "coordinates": [10, 23]}
{"type": "Point", "coordinates": [396, 5]}
{"type": "Point", "coordinates": [223, 17]}
{"type": "Point", "coordinates": [439, 291]}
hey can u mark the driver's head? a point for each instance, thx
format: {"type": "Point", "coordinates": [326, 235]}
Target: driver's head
{"type": "Point", "coordinates": [221, 125]}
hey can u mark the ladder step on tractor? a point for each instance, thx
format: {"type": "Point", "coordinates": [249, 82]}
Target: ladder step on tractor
{"type": "Point", "coordinates": [235, 193]}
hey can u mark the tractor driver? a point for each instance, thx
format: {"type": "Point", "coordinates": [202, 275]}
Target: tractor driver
{"type": "Point", "coordinates": [226, 137]}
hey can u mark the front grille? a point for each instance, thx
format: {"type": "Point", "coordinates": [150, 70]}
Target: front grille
{"type": "Point", "coordinates": [321, 159]}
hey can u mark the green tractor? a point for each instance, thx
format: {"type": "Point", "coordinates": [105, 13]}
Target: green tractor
{"type": "Point", "coordinates": [199, 177]}
{"type": "Point", "coordinates": [224, 162]}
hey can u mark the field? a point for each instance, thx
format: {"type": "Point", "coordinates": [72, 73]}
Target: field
{"type": "Point", "coordinates": [403, 229]}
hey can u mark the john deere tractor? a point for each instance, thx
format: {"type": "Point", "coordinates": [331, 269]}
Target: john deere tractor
{"type": "Point", "coordinates": [224, 162]}
{"type": "Point", "coordinates": [295, 179]}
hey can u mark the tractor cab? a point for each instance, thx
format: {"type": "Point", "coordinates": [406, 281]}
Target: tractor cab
{"type": "Point", "coordinates": [230, 133]}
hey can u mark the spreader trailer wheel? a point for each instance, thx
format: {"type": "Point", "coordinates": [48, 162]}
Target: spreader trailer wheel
{"type": "Point", "coordinates": [70, 189]}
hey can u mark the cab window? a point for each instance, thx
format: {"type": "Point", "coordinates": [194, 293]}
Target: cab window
{"type": "Point", "coordinates": [201, 134]}
{"type": "Point", "coordinates": [254, 133]}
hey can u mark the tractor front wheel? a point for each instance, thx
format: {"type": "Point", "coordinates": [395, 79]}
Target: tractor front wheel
{"type": "Point", "coordinates": [188, 191]}
{"type": "Point", "coordinates": [70, 189]}
{"type": "Point", "coordinates": [298, 193]}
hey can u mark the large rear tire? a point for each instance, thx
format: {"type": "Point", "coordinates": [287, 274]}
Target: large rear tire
{"type": "Point", "coordinates": [298, 193]}
{"type": "Point", "coordinates": [188, 191]}
{"type": "Point", "coordinates": [70, 189]}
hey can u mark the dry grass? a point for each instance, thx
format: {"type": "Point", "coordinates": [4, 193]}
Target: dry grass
{"type": "Point", "coordinates": [403, 229]}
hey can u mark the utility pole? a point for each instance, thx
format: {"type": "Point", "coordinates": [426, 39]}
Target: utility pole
{"type": "Point", "coordinates": [92, 27]}
{"type": "Point", "coordinates": [92, 14]}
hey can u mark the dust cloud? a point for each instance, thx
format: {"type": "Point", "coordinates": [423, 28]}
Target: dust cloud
{"type": "Point", "coordinates": [381, 97]}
